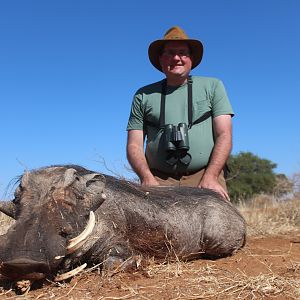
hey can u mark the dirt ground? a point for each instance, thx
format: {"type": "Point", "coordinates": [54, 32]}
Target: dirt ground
{"type": "Point", "coordinates": [266, 268]}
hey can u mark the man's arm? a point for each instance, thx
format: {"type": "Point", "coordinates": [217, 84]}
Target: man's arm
{"type": "Point", "coordinates": [223, 143]}
{"type": "Point", "coordinates": [137, 159]}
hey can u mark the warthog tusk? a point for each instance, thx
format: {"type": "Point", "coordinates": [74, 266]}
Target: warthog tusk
{"type": "Point", "coordinates": [59, 257]}
{"type": "Point", "coordinates": [71, 273]}
{"type": "Point", "coordinates": [75, 243]}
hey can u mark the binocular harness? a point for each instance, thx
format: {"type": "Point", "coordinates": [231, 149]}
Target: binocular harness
{"type": "Point", "coordinates": [176, 140]}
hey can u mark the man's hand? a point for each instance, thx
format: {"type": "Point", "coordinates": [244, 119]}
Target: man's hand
{"type": "Point", "coordinates": [149, 181]}
{"type": "Point", "coordinates": [223, 143]}
{"type": "Point", "coordinates": [210, 182]}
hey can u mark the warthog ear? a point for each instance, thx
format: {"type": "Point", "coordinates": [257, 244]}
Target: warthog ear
{"type": "Point", "coordinates": [8, 208]}
{"type": "Point", "coordinates": [95, 184]}
{"type": "Point", "coordinates": [94, 180]}
{"type": "Point", "coordinates": [69, 177]}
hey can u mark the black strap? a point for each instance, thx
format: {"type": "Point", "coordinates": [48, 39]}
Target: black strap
{"type": "Point", "coordinates": [190, 102]}
{"type": "Point", "coordinates": [203, 117]}
{"type": "Point", "coordinates": [163, 103]}
{"type": "Point", "coordinates": [190, 106]}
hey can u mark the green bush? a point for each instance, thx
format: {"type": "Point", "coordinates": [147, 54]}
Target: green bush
{"type": "Point", "coordinates": [250, 175]}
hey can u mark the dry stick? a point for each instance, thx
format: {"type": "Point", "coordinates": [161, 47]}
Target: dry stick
{"type": "Point", "coordinates": [72, 288]}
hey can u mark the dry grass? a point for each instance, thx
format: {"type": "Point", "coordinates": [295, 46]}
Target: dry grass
{"type": "Point", "coordinates": [210, 281]}
{"type": "Point", "coordinates": [176, 281]}
{"type": "Point", "coordinates": [266, 216]}
{"type": "Point", "coordinates": [5, 222]}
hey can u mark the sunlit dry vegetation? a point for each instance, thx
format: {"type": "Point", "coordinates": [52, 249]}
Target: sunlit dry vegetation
{"type": "Point", "coordinates": [267, 216]}
{"type": "Point", "coordinates": [5, 222]}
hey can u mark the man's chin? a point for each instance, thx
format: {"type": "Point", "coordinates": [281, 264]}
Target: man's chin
{"type": "Point", "coordinates": [178, 74]}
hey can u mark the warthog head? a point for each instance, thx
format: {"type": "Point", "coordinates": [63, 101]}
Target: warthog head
{"type": "Point", "coordinates": [53, 211]}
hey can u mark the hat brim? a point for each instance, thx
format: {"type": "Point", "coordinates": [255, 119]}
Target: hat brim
{"type": "Point", "coordinates": [155, 47]}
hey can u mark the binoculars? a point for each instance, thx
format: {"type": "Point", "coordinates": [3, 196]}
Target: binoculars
{"type": "Point", "coordinates": [177, 144]}
{"type": "Point", "coordinates": [176, 137]}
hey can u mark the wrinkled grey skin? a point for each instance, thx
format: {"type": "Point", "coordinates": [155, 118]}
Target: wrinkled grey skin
{"type": "Point", "coordinates": [52, 205]}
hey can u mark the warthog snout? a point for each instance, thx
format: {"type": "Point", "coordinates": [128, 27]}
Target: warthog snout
{"type": "Point", "coordinates": [24, 268]}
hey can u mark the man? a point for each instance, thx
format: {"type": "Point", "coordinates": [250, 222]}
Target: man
{"type": "Point", "coordinates": [186, 119]}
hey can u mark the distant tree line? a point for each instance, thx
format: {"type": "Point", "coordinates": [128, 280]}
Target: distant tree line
{"type": "Point", "coordinates": [251, 175]}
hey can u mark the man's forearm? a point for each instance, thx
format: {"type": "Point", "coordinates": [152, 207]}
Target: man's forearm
{"type": "Point", "coordinates": [220, 154]}
{"type": "Point", "coordinates": [138, 162]}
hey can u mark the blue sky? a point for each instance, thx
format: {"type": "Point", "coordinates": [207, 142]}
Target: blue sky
{"type": "Point", "coordinates": [69, 69]}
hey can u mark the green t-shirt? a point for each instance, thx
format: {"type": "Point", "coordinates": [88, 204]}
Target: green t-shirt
{"type": "Point", "coordinates": [208, 95]}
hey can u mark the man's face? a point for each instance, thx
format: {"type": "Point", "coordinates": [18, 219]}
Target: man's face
{"type": "Point", "coordinates": [175, 60]}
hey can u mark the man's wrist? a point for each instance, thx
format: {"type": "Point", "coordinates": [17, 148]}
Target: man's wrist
{"type": "Point", "coordinates": [211, 174]}
{"type": "Point", "coordinates": [146, 175]}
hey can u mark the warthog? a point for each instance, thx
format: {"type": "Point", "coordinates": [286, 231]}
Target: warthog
{"type": "Point", "coordinates": [68, 216]}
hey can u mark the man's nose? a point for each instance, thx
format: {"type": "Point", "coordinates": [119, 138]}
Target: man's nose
{"type": "Point", "coordinates": [176, 56]}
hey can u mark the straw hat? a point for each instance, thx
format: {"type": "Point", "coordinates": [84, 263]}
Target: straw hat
{"type": "Point", "coordinates": [174, 34]}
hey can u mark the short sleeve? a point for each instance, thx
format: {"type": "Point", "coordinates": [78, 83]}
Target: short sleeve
{"type": "Point", "coordinates": [136, 118]}
{"type": "Point", "coordinates": [220, 101]}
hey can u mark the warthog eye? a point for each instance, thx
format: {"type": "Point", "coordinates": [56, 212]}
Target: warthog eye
{"type": "Point", "coordinates": [71, 198]}
{"type": "Point", "coordinates": [69, 201]}
{"type": "Point", "coordinates": [79, 196]}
